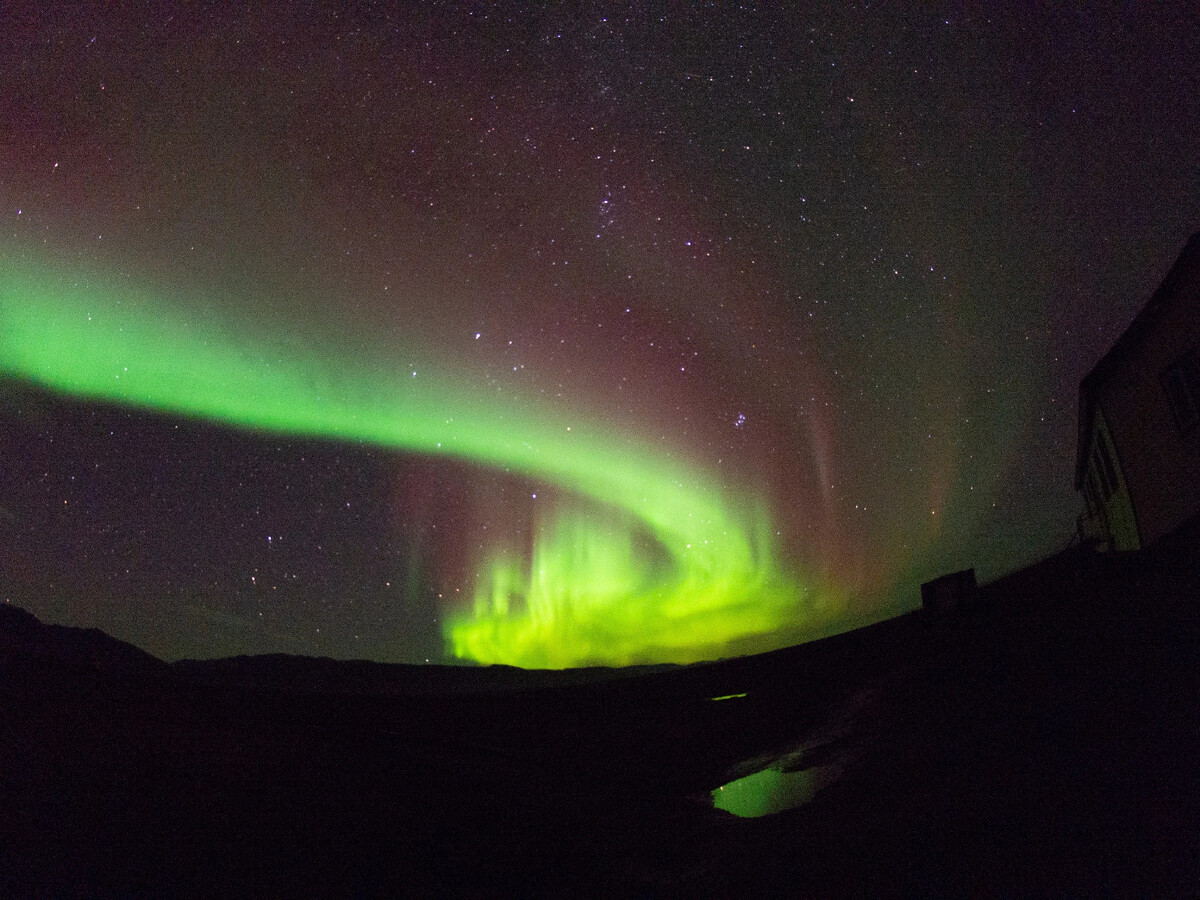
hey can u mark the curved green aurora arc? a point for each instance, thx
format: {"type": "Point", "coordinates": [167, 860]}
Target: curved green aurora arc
{"type": "Point", "coordinates": [652, 560]}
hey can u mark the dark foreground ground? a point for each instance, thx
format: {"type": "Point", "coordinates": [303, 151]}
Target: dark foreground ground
{"type": "Point", "coordinates": [1045, 743]}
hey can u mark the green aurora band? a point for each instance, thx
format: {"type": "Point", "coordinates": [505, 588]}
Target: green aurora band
{"type": "Point", "coordinates": [651, 560]}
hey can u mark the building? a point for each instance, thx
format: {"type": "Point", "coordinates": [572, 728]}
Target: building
{"type": "Point", "coordinates": [951, 593]}
{"type": "Point", "coordinates": [1138, 454]}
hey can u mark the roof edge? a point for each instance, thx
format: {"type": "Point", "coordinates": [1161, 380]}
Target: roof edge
{"type": "Point", "coordinates": [1187, 259]}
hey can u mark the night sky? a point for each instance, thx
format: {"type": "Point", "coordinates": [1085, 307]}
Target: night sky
{"type": "Point", "coordinates": [560, 335]}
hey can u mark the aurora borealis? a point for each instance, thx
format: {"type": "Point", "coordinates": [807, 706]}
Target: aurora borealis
{"type": "Point", "coordinates": [556, 336]}
{"type": "Point", "coordinates": [589, 592]}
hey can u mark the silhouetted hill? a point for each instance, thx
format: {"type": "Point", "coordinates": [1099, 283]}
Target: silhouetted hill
{"type": "Point", "coordinates": [23, 634]}
{"type": "Point", "coordinates": [307, 674]}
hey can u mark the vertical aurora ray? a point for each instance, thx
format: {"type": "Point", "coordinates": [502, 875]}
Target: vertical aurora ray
{"type": "Point", "coordinates": [644, 558]}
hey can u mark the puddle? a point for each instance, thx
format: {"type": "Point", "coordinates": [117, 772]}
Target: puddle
{"type": "Point", "coordinates": [775, 788]}
{"type": "Point", "coordinates": [778, 781]}
{"type": "Point", "coordinates": [771, 791]}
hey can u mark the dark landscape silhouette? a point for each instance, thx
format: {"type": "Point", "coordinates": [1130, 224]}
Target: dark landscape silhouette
{"type": "Point", "coordinates": [1044, 741]}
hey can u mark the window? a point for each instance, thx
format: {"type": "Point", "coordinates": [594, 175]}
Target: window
{"type": "Point", "coordinates": [1106, 486]}
{"type": "Point", "coordinates": [1106, 459]}
{"type": "Point", "coordinates": [1098, 491]}
{"type": "Point", "coordinates": [1181, 382]}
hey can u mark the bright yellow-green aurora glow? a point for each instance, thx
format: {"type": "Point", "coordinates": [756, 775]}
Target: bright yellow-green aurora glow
{"type": "Point", "coordinates": [644, 558]}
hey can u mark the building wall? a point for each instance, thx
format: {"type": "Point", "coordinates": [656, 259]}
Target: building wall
{"type": "Point", "coordinates": [1161, 466]}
